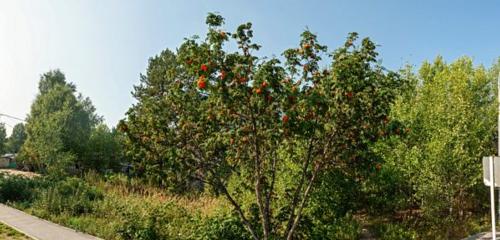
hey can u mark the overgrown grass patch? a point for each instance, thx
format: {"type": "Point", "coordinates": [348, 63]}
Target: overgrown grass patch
{"type": "Point", "coordinates": [7, 233]}
{"type": "Point", "coordinates": [120, 208]}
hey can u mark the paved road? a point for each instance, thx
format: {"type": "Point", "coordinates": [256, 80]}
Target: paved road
{"type": "Point", "coordinates": [482, 236]}
{"type": "Point", "coordinates": [37, 228]}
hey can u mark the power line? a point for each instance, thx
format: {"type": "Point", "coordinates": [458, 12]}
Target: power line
{"type": "Point", "coordinates": [10, 116]}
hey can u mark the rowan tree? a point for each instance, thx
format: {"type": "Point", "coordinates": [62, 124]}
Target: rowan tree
{"type": "Point", "coordinates": [231, 115]}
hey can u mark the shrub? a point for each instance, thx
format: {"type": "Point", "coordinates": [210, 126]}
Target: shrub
{"type": "Point", "coordinates": [162, 221]}
{"type": "Point", "coordinates": [340, 228]}
{"type": "Point", "coordinates": [333, 202]}
{"type": "Point", "coordinates": [386, 191]}
{"type": "Point", "coordinates": [135, 226]}
{"type": "Point", "coordinates": [328, 215]}
{"type": "Point", "coordinates": [16, 189]}
{"type": "Point", "coordinates": [221, 226]}
{"type": "Point", "coordinates": [171, 221]}
{"type": "Point", "coordinates": [395, 232]}
{"type": "Point", "coordinates": [72, 196]}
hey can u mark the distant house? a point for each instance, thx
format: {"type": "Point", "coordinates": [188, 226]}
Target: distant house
{"type": "Point", "coordinates": [8, 161]}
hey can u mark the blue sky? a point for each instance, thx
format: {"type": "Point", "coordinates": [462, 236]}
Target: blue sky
{"type": "Point", "coordinates": [103, 46]}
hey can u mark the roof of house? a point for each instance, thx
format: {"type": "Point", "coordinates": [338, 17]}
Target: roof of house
{"type": "Point", "coordinates": [9, 155]}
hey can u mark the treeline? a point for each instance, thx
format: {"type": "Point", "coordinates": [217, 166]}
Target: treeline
{"type": "Point", "coordinates": [298, 150]}
{"type": "Point", "coordinates": [13, 143]}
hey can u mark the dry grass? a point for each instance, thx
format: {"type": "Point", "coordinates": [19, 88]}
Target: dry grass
{"type": "Point", "coordinates": [19, 173]}
{"type": "Point", "coordinates": [137, 191]}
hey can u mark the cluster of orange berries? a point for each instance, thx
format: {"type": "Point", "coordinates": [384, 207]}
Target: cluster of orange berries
{"type": "Point", "coordinates": [305, 47]}
{"type": "Point", "coordinates": [262, 86]}
{"type": "Point", "coordinates": [202, 80]}
{"type": "Point", "coordinates": [202, 84]}
{"type": "Point", "coordinates": [285, 119]}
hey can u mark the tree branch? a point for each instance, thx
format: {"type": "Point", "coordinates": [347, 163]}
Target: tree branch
{"type": "Point", "coordinates": [237, 207]}
{"type": "Point", "coordinates": [258, 178]}
{"type": "Point", "coordinates": [303, 203]}
{"type": "Point", "coordinates": [267, 207]}
{"type": "Point", "coordinates": [295, 200]}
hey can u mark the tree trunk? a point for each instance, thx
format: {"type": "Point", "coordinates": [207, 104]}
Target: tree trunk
{"type": "Point", "coordinates": [303, 203]}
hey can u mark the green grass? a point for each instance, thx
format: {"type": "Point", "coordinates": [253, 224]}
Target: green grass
{"type": "Point", "coordinates": [116, 209]}
{"type": "Point", "coordinates": [7, 233]}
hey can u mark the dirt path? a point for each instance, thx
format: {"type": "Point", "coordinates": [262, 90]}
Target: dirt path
{"type": "Point", "coordinates": [19, 173]}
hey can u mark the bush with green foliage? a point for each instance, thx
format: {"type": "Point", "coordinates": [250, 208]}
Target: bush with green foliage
{"type": "Point", "coordinates": [449, 117]}
{"type": "Point", "coordinates": [431, 170]}
{"type": "Point", "coordinates": [104, 149]}
{"type": "Point", "coordinates": [72, 196]}
{"type": "Point", "coordinates": [17, 189]}
{"type": "Point", "coordinates": [222, 225]}
{"type": "Point", "coordinates": [389, 231]}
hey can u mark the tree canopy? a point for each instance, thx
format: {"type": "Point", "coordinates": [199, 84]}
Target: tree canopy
{"type": "Point", "coordinates": [450, 119]}
{"type": "Point", "coordinates": [209, 115]}
{"type": "Point", "coordinates": [17, 138]}
{"type": "Point", "coordinates": [58, 126]}
{"type": "Point", "coordinates": [3, 138]}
